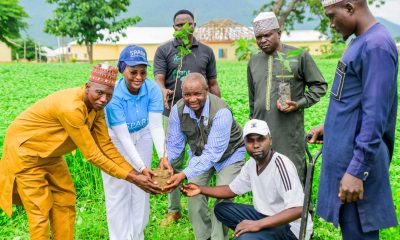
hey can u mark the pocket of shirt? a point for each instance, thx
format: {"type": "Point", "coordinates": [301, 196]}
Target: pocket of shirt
{"type": "Point", "coordinates": [338, 82]}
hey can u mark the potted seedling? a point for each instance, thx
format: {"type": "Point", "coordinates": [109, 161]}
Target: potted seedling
{"type": "Point", "coordinates": [183, 36]}
{"type": "Point", "coordinates": [284, 93]}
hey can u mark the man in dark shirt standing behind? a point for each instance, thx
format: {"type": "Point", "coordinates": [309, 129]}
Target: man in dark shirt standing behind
{"type": "Point", "coordinates": [166, 61]}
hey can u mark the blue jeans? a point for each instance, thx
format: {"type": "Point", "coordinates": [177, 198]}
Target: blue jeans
{"type": "Point", "coordinates": [350, 225]}
{"type": "Point", "coordinates": [231, 214]}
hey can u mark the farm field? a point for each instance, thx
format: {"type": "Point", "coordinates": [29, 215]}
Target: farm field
{"type": "Point", "coordinates": [23, 84]}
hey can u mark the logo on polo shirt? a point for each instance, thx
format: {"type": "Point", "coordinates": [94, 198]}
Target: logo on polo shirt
{"type": "Point", "coordinates": [177, 59]}
{"type": "Point", "coordinates": [181, 74]}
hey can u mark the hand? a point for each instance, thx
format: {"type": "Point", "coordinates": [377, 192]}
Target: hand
{"type": "Point", "coordinates": [246, 226]}
{"type": "Point", "coordinates": [175, 181]}
{"type": "Point", "coordinates": [316, 132]}
{"type": "Point", "coordinates": [164, 164]}
{"type": "Point", "coordinates": [147, 172]}
{"type": "Point", "coordinates": [291, 106]}
{"type": "Point", "coordinates": [143, 182]}
{"type": "Point", "coordinates": [190, 190]}
{"type": "Point", "coordinates": [166, 94]}
{"type": "Point", "coordinates": [351, 189]}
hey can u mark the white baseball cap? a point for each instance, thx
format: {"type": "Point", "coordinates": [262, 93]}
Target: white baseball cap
{"type": "Point", "coordinates": [256, 126]}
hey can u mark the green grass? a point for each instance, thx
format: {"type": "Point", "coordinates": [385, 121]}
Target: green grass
{"type": "Point", "coordinates": [24, 84]}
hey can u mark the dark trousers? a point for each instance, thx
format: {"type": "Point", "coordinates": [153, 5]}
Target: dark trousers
{"type": "Point", "coordinates": [350, 225]}
{"type": "Point", "coordinates": [231, 214]}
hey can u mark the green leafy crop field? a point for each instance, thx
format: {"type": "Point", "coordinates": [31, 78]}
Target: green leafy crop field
{"type": "Point", "coordinates": [23, 84]}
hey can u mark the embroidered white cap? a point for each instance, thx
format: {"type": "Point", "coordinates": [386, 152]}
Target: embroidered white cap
{"type": "Point", "coordinates": [256, 126]}
{"type": "Point", "coordinates": [265, 21]}
{"type": "Point", "coordinates": [326, 3]}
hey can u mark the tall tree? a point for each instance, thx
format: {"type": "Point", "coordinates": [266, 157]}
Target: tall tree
{"type": "Point", "coordinates": [84, 20]}
{"type": "Point", "coordinates": [289, 12]}
{"type": "Point", "coordinates": [11, 20]}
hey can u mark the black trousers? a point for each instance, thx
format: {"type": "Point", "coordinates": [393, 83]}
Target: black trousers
{"type": "Point", "coordinates": [231, 214]}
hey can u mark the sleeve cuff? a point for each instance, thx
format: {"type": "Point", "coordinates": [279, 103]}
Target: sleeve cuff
{"type": "Point", "coordinates": [189, 173]}
{"type": "Point", "coordinates": [172, 159]}
{"type": "Point", "coordinates": [302, 103]}
{"type": "Point", "coordinates": [358, 169]}
{"type": "Point", "coordinates": [233, 189]}
{"type": "Point", "coordinates": [122, 174]}
{"type": "Point", "coordinates": [156, 71]}
{"type": "Point", "coordinates": [127, 166]}
{"type": "Point", "coordinates": [211, 78]}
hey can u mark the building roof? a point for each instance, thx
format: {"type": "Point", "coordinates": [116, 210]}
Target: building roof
{"type": "Point", "coordinates": [303, 36]}
{"type": "Point", "coordinates": [48, 52]}
{"type": "Point", "coordinates": [223, 30]}
{"type": "Point", "coordinates": [54, 53]}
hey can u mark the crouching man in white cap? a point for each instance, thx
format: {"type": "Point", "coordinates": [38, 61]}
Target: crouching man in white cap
{"type": "Point", "coordinates": [277, 192]}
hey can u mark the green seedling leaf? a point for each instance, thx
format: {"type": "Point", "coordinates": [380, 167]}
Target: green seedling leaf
{"type": "Point", "coordinates": [286, 59]}
{"type": "Point", "coordinates": [183, 36]}
{"type": "Point", "coordinates": [281, 57]}
{"type": "Point", "coordinates": [294, 53]}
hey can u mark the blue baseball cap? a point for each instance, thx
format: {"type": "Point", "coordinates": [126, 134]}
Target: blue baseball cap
{"type": "Point", "coordinates": [133, 55]}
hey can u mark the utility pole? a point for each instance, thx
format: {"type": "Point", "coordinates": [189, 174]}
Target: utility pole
{"type": "Point", "coordinates": [59, 49]}
{"type": "Point", "coordinates": [24, 49]}
{"type": "Point", "coordinates": [36, 58]}
{"type": "Point", "coordinates": [62, 48]}
{"type": "Point", "coordinates": [39, 52]}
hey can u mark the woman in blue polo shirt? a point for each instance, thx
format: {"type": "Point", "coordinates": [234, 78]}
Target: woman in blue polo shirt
{"type": "Point", "coordinates": [134, 118]}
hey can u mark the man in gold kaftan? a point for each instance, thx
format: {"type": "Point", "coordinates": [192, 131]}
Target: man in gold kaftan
{"type": "Point", "coordinates": [33, 171]}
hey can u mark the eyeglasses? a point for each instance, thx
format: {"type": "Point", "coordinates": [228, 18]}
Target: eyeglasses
{"type": "Point", "coordinates": [179, 25]}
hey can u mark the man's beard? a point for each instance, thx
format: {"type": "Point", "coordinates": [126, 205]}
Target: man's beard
{"type": "Point", "coordinates": [259, 157]}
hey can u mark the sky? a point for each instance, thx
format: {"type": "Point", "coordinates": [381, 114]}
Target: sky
{"type": "Point", "coordinates": [390, 10]}
{"type": "Point", "coordinates": [39, 10]}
